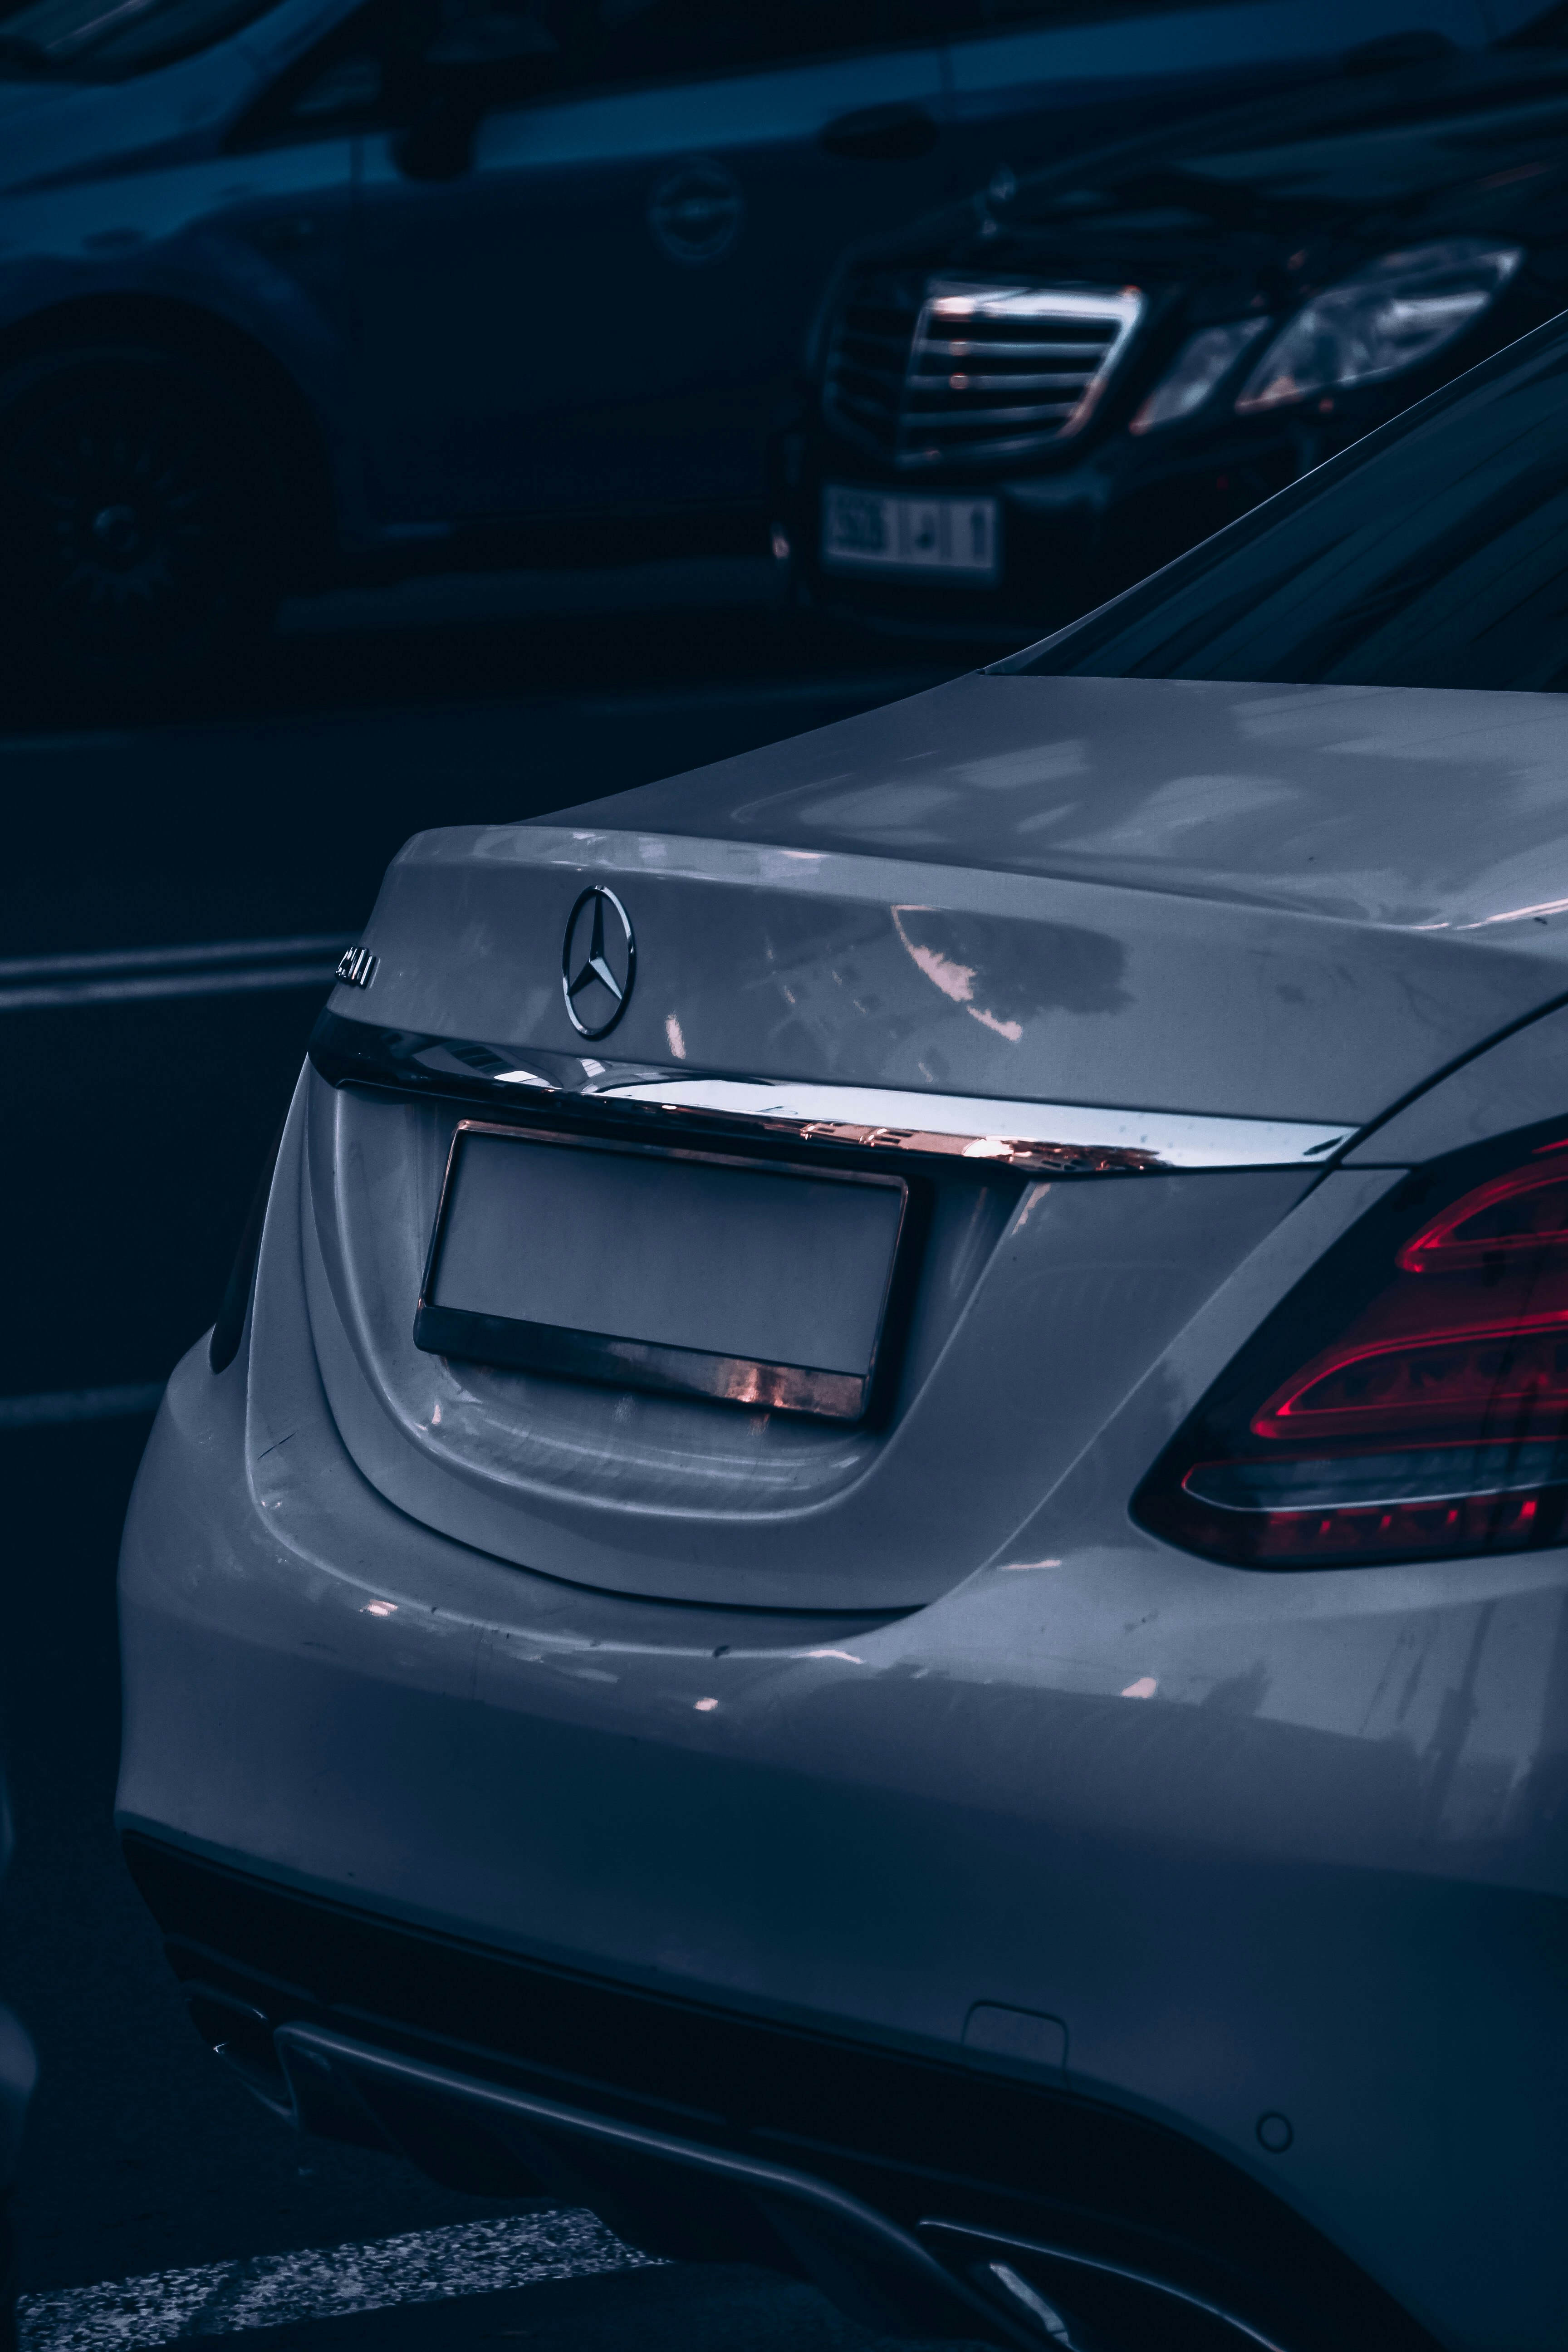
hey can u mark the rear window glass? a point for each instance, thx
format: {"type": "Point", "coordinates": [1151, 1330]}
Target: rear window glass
{"type": "Point", "coordinates": [1435, 552]}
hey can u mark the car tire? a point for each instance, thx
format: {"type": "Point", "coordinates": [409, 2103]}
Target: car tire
{"type": "Point", "coordinates": [139, 540]}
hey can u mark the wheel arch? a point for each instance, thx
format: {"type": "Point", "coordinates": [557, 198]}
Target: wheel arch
{"type": "Point", "coordinates": [186, 330]}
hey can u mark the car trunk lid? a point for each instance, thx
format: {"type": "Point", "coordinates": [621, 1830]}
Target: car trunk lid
{"type": "Point", "coordinates": [1257, 905]}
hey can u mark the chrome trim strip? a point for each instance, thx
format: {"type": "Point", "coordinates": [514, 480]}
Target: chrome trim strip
{"type": "Point", "coordinates": [1036, 1139]}
{"type": "Point", "coordinates": [1049, 1137]}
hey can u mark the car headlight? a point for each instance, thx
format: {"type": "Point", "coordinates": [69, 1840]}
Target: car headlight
{"type": "Point", "coordinates": [1390, 316]}
{"type": "Point", "coordinates": [1204, 360]}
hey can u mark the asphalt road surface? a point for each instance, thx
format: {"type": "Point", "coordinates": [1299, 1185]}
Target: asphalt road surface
{"type": "Point", "coordinates": [169, 901]}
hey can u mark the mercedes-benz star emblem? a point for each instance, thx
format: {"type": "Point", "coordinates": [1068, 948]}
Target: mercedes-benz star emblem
{"type": "Point", "coordinates": [598, 962]}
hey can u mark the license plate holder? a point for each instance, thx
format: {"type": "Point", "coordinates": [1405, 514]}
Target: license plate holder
{"type": "Point", "coordinates": [750, 1282]}
{"type": "Point", "coordinates": [957, 540]}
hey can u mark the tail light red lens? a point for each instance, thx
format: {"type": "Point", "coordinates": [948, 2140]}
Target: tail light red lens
{"type": "Point", "coordinates": [1498, 1223]}
{"type": "Point", "coordinates": [1409, 1402]}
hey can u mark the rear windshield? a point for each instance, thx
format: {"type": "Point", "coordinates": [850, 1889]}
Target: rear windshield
{"type": "Point", "coordinates": [1435, 552]}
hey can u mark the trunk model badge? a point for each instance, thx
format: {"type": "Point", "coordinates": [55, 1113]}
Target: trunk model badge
{"type": "Point", "coordinates": [356, 967]}
{"type": "Point", "coordinates": [598, 962]}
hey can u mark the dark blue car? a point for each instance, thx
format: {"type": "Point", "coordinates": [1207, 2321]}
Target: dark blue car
{"type": "Point", "coordinates": [287, 289]}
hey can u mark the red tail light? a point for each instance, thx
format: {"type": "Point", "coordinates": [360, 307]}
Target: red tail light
{"type": "Point", "coordinates": [1430, 1419]}
{"type": "Point", "coordinates": [1498, 1223]}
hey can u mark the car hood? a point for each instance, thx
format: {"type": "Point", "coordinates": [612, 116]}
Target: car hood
{"type": "Point", "coordinates": [61, 133]}
{"type": "Point", "coordinates": [1480, 143]}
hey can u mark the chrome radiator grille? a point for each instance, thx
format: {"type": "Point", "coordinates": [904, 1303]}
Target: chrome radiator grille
{"type": "Point", "coordinates": [945, 373]}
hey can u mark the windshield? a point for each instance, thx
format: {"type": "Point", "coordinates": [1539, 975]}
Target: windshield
{"type": "Point", "coordinates": [1435, 552]}
{"type": "Point", "coordinates": [104, 40]}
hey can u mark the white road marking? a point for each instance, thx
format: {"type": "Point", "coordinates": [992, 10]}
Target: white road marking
{"type": "Point", "coordinates": [132, 975]}
{"type": "Point", "coordinates": [324, 2282]}
{"type": "Point", "coordinates": [53, 1410]}
{"type": "Point", "coordinates": [99, 962]}
{"type": "Point", "coordinates": [136, 992]}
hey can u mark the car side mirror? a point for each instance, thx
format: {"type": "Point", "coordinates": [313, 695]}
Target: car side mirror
{"type": "Point", "coordinates": [438, 145]}
{"type": "Point", "coordinates": [483, 61]}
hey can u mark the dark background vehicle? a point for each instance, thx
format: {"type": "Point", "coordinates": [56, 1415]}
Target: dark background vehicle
{"type": "Point", "coordinates": [294, 291]}
{"type": "Point", "coordinates": [1025, 403]}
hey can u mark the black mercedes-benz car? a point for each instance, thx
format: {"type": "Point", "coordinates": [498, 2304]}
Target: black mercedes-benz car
{"type": "Point", "coordinates": [1023, 403]}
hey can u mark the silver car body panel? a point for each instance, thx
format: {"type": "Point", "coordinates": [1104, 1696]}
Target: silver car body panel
{"type": "Point", "coordinates": [931, 1722]}
{"type": "Point", "coordinates": [1522, 1078]}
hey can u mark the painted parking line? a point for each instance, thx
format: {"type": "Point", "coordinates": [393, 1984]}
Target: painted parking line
{"type": "Point", "coordinates": [138, 991]}
{"type": "Point", "coordinates": [135, 975]}
{"type": "Point", "coordinates": [55, 1408]}
{"type": "Point", "coordinates": [324, 2282]}
{"type": "Point", "coordinates": [96, 961]}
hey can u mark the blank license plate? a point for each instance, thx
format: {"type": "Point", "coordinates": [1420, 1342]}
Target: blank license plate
{"type": "Point", "coordinates": [877, 530]}
{"type": "Point", "coordinates": [674, 1271]}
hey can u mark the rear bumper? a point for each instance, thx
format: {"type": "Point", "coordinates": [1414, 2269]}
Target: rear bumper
{"type": "Point", "coordinates": [699, 2134]}
{"type": "Point", "coordinates": [413, 1795]}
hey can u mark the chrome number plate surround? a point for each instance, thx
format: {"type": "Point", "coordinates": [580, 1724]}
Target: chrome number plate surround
{"type": "Point", "coordinates": [633, 1360]}
{"type": "Point", "coordinates": [957, 540]}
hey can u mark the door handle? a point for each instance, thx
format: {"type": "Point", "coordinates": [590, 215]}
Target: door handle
{"type": "Point", "coordinates": [881, 134]}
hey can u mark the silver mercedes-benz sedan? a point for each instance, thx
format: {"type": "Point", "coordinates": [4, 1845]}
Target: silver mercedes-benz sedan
{"type": "Point", "coordinates": [870, 1567]}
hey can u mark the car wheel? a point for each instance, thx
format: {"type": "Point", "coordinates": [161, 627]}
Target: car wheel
{"type": "Point", "coordinates": [139, 537]}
